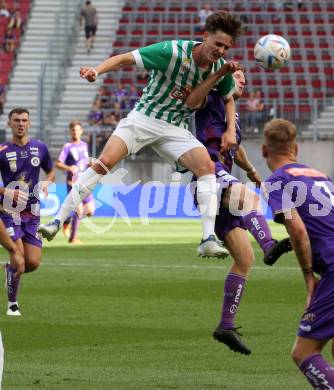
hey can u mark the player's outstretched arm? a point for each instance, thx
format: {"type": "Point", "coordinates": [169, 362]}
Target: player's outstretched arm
{"type": "Point", "coordinates": [197, 97]}
{"type": "Point", "coordinates": [111, 64]}
{"type": "Point", "coordinates": [301, 245]}
{"type": "Point", "coordinates": [241, 159]}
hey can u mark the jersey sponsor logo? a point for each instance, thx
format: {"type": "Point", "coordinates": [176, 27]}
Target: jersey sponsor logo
{"type": "Point", "coordinates": [237, 295]}
{"type": "Point", "coordinates": [309, 172]}
{"type": "Point", "coordinates": [305, 328]}
{"type": "Point", "coordinates": [35, 161]}
{"type": "Point", "coordinates": [180, 93]}
{"type": "Point", "coordinates": [12, 165]}
{"type": "Point", "coordinates": [10, 155]}
{"type": "Point", "coordinates": [233, 309]}
{"type": "Point", "coordinates": [10, 231]}
{"type": "Point", "coordinates": [320, 377]}
{"type": "Point", "coordinates": [24, 154]}
{"type": "Point", "coordinates": [309, 317]}
{"type": "Point", "coordinates": [226, 176]}
{"type": "Point", "coordinates": [34, 151]}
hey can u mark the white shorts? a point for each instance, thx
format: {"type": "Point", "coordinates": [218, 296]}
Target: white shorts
{"type": "Point", "coordinates": [170, 142]}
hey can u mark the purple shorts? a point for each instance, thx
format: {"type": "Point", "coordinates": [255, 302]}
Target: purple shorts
{"type": "Point", "coordinates": [225, 221]}
{"type": "Point", "coordinates": [89, 198]}
{"type": "Point", "coordinates": [317, 321]}
{"type": "Point", "coordinates": [26, 230]}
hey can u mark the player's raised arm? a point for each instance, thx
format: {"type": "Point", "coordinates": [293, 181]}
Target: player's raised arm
{"type": "Point", "coordinates": [197, 97]}
{"type": "Point", "coordinates": [241, 159]}
{"type": "Point", "coordinates": [111, 64]}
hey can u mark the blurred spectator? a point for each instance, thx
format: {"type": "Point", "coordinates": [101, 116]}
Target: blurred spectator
{"type": "Point", "coordinates": [110, 119]}
{"type": "Point", "coordinates": [10, 41]}
{"type": "Point", "coordinates": [117, 110]}
{"type": "Point", "coordinates": [251, 112]}
{"type": "Point", "coordinates": [104, 95]}
{"type": "Point", "coordinates": [202, 15]}
{"type": "Point", "coordinates": [121, 95]}
{"type": "Point", "coordinates": [95, 115]}
{"type": "Point", "coordinates": [2, 98]}
{"type": "Point", "coordinates": [16, 21]}
{"type": "Point", "coordinates": [133, 97]}
{"type": "Point", "coordinates": [90, 17]}
{"type": "Point", "coordinates": [259, 111]}
{"type": "Point", "coordinates": [4, 9]}
{"type": "Point", "coordinates": [101, 139]}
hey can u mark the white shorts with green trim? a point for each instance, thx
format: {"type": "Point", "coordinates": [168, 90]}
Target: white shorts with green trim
{"type": "Point", "coordinates": [170, 142]}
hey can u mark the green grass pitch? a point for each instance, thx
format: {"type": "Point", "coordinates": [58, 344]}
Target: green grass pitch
{"type": "Point", "coordinates": [134, 308]}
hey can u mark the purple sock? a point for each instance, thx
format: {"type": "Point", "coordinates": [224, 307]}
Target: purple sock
{"type": "Point", "coordinates": [318, 372]}
{"type": "Point", "coordinates": [75, 222]}
{"type": "Point", "coordinates": [233, 290]}
{"type": "Point", "coordinates": [12, 283]}
{"type": "Point", "coordinates": [257, 225]}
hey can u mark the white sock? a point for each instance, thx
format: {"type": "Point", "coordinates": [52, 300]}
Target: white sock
{"type": "Point", "coordinates": [207, 203]}
{"type": "Point", "coordinates": [81, 189]}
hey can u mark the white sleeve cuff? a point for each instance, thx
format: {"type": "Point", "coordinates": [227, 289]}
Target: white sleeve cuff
{"type": "Point", "coordinates": [138, 59]}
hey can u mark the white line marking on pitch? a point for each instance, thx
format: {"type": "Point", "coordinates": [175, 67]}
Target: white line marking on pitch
{"type": "Point", "coordinates": [174, 266]}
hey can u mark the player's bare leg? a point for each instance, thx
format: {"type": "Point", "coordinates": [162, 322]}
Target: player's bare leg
{"type": "Point", "coordinates": [306, 353]}
{"type": "Point", "coordinates": [198, 161]}
{"type": "Point", "coordinates": [241, 251]}
{"type": "Point", "coordinates": [114, 151]}
{"type": "Point", "coordinates": [239, 197]}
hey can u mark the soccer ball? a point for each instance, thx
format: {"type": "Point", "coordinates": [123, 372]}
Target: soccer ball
{"type": "Point", "coordinates": [272, 52]}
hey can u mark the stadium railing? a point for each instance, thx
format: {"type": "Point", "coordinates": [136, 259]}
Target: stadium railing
{"type": "Point", "coordinates": [59, 54]}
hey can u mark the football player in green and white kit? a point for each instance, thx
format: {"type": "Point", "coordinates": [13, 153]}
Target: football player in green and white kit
{"type": "Point", "coordinates": [160, 118]}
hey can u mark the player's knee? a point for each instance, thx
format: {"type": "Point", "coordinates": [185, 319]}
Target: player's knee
{"type": "Point", "coordinates": [206, 168]}
{"type": "Point", "coordinates": [298, 354]}
{"type": "Point", "coordinates": [247, 262]}
{"type": "Point", "coordinates": [32, 265]}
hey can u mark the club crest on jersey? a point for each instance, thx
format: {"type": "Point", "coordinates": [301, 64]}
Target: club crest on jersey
{"type": "Point", "coordinates": [35, 161]}
{"type": "Point", "coordinates": [185, 66]}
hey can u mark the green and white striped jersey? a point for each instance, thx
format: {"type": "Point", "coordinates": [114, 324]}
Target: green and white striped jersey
{"type": "Point", "coordinates": [172, 75]}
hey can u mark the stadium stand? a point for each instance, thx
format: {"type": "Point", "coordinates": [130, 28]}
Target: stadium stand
{"type": "Point", "coordinates": [298, 91]}
{"type": "Point", "coordinates": [7, 57]}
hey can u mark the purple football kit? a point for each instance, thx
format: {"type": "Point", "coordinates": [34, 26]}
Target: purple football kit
{"type": "Point", "coordinates": [75, 153]}
{"type": "Point", "coordinates": [210, 126]}
{"type": "Point", "coordinates": [20, 166]}
{"type": "Point", "coordinates": [311, 193]}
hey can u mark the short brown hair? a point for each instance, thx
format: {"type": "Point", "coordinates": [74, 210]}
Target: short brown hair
{"type": "Point", "coordinates": [280, 134]}
{"type": "Point", "coordinates": [74, 123]}
{"type": "Point", "coordinates": [18, 110]}
{"type": "Point", "coordinates": [223, 21]}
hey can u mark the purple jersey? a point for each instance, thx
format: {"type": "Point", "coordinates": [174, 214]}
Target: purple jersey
{"type": "Point", "coordinates": [312, 193]}
{"type": "Point", "coordinates": [210, 125]}
{"type": "Point", "coordinates": [74, 153]}
{"type": "Point", "coordinates": [23, 164]}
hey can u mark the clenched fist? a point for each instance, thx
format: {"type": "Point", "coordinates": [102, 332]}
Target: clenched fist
{"type": "Point", "coordinates": [90, 74]}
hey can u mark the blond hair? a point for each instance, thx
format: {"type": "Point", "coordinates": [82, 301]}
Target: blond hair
{"type": "Point", "coordinates": [280, 135]}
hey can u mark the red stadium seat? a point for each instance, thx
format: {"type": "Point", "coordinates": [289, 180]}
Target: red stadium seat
{"type": "Point", "coordinates": [303, 95]}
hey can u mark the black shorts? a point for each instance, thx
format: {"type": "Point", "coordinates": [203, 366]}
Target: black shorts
{"type": "Point", "coordinates": [90, 31]}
